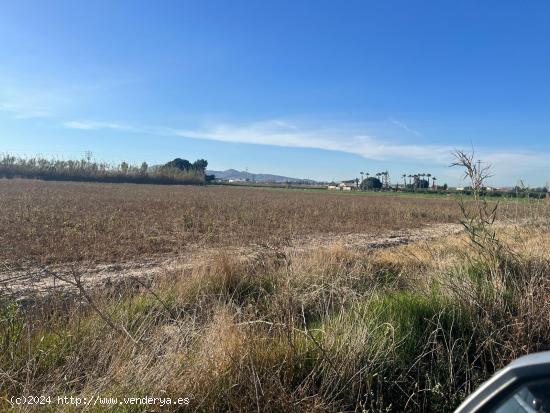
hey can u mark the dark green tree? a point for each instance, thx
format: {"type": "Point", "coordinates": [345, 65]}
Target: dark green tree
{"type": "Point", "coordinates": [200, 165]}
{"type": "Point", "coordinates": [423, 183]}
{"type": "Point", "coordinates": [179, 163]}
{"type": "Point", "coordinates": [372, 183]}
{"type": "Point", "coordinates": [143, 168]}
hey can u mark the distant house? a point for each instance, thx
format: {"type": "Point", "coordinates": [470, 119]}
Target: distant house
{"type": "Point", "coordinates": [342, 187]}
{"type": "Point", "coordinates": [346, 186]}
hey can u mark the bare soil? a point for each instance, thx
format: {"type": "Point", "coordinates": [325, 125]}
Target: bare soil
{"type": "Point", "coordinates": [30, 281]}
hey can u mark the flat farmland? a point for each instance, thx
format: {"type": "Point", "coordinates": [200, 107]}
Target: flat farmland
{"type": "Point", "coordinates": [50, 222]}
{"type": "Point", "coordinates": [243, 299]}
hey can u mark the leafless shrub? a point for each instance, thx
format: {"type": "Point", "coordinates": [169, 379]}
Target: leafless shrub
{"type": "Point", "coordinates": [479, 216]}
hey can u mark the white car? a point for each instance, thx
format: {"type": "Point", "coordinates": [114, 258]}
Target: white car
{"type": "Point", "coordinates": [521, 387]}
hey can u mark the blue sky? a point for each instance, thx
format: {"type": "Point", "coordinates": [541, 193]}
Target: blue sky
{"type": "Point", "coordinates": [311, 89]}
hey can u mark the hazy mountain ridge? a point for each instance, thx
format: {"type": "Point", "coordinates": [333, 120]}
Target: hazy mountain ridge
{"type": "Point", "coordinates": [235, 174]}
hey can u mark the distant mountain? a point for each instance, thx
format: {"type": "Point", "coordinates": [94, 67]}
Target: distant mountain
{"type": "Point", "coordinates": [242, 175]}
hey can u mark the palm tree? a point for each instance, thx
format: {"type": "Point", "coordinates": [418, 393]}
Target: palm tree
{"type": "Point", "coordinates": [362, 173]}
{"type": "Point", "coordinates": [428, 175]}
{"type": "Point", "coordinates": [433, 180]}
{"type": "Point", "coordinates": [404, 176]}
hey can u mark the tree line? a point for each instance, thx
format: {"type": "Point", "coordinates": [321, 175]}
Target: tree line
{"type": "Point", "coordinates": [421, 182]}
{"type": "Point", "coordinates": [381, 180]}
{"type": "Point", "coordinates": [177, 171]}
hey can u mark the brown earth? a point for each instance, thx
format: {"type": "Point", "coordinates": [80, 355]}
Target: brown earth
{"type": "Point", "coordinates": [34, 281]}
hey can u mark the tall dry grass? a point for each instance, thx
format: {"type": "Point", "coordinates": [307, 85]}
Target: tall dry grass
{"type": "Point", "coordinates": [413, 328]}
{"type": "Point", "coordinates": [89, 170]}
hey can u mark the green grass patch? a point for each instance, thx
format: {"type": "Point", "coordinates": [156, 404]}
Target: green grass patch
{"type": "Point", "coordinates": [401, 321]}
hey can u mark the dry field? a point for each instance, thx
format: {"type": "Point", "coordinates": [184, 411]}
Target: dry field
{"type": "Point", "coordinates": [282, 301]}
{"type": "Point", "coordinates": [65, 221]}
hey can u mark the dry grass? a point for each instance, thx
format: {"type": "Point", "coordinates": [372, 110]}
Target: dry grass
{"type": "Point", "coordinates": [410, 328]}
{"type": "Point", "coordinates": [414, 328]}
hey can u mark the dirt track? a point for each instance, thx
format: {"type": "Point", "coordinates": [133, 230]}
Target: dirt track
{"type": "Point", "coordinates": [25, 283]}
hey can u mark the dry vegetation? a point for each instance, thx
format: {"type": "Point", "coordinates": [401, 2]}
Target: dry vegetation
{"type": "Point", "coordinates": [67, 221]}
{"type": "Point", "coordinates": [89, 170]}
{"type": "Point", "coordinates": [410, 328]}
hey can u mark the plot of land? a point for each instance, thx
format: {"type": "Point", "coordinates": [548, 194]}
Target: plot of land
{"type": "Point", "coordinates": [263, 300]}
{"type": "Point", "coordinates": [52, 222]}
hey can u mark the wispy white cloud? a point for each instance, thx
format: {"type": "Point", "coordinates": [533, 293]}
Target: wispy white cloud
{"type": "Point", "coordinates": [345, 138]}
{"type": "Point", "coordinates": [34, 98]}
{"type": "Point", "coordinates": [29, 100]}
{"type": "Point", "coordinates": [22, 111]}
{"type": "Point", "coordinates": [404, 127]}
{"type": "Point", "coordinates": [349, 138]}
{"type": "Point", "coordinates": [507, 165]}
{"type": "Point", "coordinates": [94, 125]}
